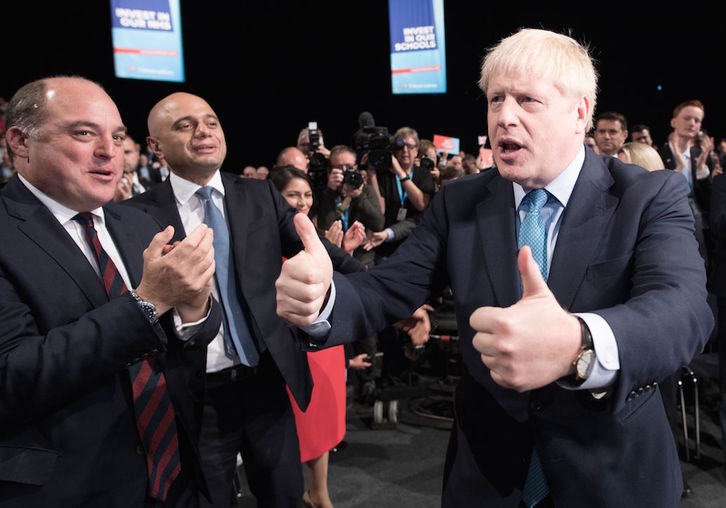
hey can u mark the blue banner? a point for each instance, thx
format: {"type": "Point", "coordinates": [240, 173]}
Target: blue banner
{"type": "Point", "coordinates": [418, 48]}
{"type": "Point", "coordinates": [147, 39]}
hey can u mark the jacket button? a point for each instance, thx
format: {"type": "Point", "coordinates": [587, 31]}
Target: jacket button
{"type": "Point", "coordinates": [535, 405]}
{"type": "Point", "coordinates": [200, 374]}
{"type": "Point", "coordinates": [139, 449]}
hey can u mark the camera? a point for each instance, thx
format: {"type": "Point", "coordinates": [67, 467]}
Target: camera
{"type": "Point", "coordinates": [377, 142]}
{"type": "Point", "coordinates": [317, 162]}
{"type": "Point", "coordinates": [351, 177]}
{"type": "Point", "coordinates": [426, 163]}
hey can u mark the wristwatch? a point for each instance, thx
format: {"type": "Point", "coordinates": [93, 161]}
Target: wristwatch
{"type": "Point", "coordinates": [148, 308]}
{"type": "Point", "coordinates": [585, 360]}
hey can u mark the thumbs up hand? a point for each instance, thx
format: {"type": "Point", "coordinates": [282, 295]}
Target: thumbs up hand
{"type": "Point", "coordinates": [305, 278]}
{"type": "Point", "coordinates": [532, 343]}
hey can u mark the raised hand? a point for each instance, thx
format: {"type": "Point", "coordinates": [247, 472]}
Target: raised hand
{"type": "Point", "coordinates": [305, 278]}
{"type": "Point", "coordinates": [533, 342]}
{"type": "Point", "coordinates": [179, 276]}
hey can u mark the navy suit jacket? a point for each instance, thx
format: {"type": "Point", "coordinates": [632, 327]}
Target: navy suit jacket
{"type": "Point", "coordinates": [626, 251]}
{"type": "Point", "coordinates": [262, 233]}
{"type": "Point", "coordinates": [67, 429]}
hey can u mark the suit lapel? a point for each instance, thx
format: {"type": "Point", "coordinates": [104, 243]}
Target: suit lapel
{"type": "Point", "coordinates": [235, 204]}
{"type": "Point", "coordinates": [42, 228]}
{"type": "Point", "coordinates": [128, 245]}
{"type": "Point", "coordinates": [166, 211]}
{"type": "Point", "coordinates": [495, 217]}
{"type": "Point", "coordinates": [590, 208]}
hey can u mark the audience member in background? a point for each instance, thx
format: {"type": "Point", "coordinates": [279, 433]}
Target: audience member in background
{"type": "Point", "coordinates": [555, 408]}
{"type": "Point", "coordinates": [147, 175]}
{"type": "Point", "coordinates": [611, 131]}
{"type": "Point", "coordinates": [262, 172]}
{"type": "Point", "coordinates": [451, 173]}
{"type": "Point", "coordinates": [642, 154]}
{"type": "Point", "coordinates": [90, 323]}
{"type": "Point", "coordinates": [249, 172]}
{"type": "Point", "coordinates": [255, 354]}
{"type": "Point", "coordinates": [469, 165]}
{"type": "Point", "coordinates": [292, 156]}
{"type": "Point", "coordinates": [349, 202]}
{"type": "Point", "coordinates": [686, 152]}
{"type": "Point", "coordinates": [457, 161]}
{"type": "Point", "coordinates": [590, 141]}
{"type": "Point", "coordinates": [6, 167]}
{"type": "Point", "coordinates": [160, 166]}
{"type": "Point", "coordinates": [427, 149]}
{"type": "Point", "coordinates": [322, 425]}
{"type": "Point", "coordinates": [405, 189]}
{"type": "Point", "coordinates": [641, 134]}
{"type": "Point", "coordinates": [129, 185]}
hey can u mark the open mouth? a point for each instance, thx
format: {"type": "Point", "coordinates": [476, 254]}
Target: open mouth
{"type": "Point", "coordinates": [509, 146]}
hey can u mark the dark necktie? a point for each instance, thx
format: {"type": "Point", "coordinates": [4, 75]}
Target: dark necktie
{"type": "Point", "coordinates": [238, 342]}
{"type": "Point", "coordinates": [532, 232]}
{"type": "Point", "coordinates": [152, 404]}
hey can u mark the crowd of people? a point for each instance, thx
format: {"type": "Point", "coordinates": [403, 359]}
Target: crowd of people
{"type": "Point", "coordinates": [165, 317]}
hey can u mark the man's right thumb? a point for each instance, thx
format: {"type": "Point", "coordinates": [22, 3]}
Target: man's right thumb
{"type": "Point", "coordinates": [309, 236]}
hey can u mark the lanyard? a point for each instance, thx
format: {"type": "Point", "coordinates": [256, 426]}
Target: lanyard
{"type": "Point", "coordinates": [402, 194]}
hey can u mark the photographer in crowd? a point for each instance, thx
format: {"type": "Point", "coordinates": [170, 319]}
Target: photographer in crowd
{"type": "Point", "coordinates": [405, 189]}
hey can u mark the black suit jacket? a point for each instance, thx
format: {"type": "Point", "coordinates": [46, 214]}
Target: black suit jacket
{"type": "Point", "coordinates": [67, 429]}
{"type": "Point", "coordinates": [626, 251]}
{"type": "Point", "coordinates": [261, 233]}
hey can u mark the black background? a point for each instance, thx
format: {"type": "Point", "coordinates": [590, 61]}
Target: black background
{"type": "Point", "coordinates": [268, 68]}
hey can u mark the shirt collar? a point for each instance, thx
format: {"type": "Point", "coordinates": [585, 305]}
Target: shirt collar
{"type": "Point", "coordinates": [184, 189]}
{"type": "Point", "coordinates": [61, 212]}
{"type": "Point", "coordinates": [562, 186]}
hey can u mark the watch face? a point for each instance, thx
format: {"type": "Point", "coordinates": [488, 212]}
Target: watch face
{"type": "Point", "coordinates": [585, 363]}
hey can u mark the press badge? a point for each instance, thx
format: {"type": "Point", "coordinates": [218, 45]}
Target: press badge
{"type": "Point", "coordinates": [401, 214]}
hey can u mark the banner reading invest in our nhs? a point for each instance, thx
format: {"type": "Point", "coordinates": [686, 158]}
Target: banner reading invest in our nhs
{"type": "Point", "coordinates": [147, 39]}
{"type": "Point", "coordinates": [418, 46]}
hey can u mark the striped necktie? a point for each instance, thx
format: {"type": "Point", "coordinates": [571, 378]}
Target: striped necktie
{"type": "Point", "coordinates": [532, 232]}
{"type": "Point", "coordinates": [152, 404]}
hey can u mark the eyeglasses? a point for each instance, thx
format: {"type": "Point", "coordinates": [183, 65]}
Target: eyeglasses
{"type": "Point", "coordinates": [410, 146]}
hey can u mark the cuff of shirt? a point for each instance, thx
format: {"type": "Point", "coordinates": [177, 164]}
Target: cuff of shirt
{"type": "Point", "coordinates": [185, 331]}
{"type": "Point", "coordinates": [389, 235]}
{"type": "Point", "coordinates": [320, 328]}
{"type": "Point", "coordinates": [607, 365]}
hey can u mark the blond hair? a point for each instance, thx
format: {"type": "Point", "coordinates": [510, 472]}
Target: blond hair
{"type": "Point", "coordinates": [643, 155]}
{"type": "Point", "coordinates": [547, 55]}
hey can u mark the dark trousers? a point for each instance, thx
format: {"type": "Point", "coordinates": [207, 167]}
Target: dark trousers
{"type": "Point", "coordinates": [248, 411]}
{"type": "Point", "coordinates": [721, 303]}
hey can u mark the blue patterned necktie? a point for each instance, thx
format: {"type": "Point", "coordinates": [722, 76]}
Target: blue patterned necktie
{"type": "Point", "coordinates": [532, 232]}
{"type": "Point", "coordinates": [238, 342]}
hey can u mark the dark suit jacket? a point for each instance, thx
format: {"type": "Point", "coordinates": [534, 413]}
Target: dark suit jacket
{"type": "Point", "coordinates": [626, 251]}
{"type": "Point", "coordinates": [67, 429]}
{"type": "Point", "coordinates": [261, 232]}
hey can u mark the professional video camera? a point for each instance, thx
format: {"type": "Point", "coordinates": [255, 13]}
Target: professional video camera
{"type": "Point", "coordinates": [377, 142]}
{"type": "Point", "coordinates": [352, 177]}
{"type": "Point", "coordinates": [426, 163]}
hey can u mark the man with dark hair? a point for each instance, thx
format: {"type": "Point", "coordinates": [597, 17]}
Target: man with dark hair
{"type": "Point", "coordinates": [611, 131]}
{"type": "Point", "coordinates": [640, 133]}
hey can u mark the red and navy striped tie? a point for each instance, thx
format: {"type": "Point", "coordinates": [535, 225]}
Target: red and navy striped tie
{"type": "Point", "coordinates": [152, 404]}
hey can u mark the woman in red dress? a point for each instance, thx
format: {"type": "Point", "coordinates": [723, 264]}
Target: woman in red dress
{"type": "Point", "coordinates": [322, 426]}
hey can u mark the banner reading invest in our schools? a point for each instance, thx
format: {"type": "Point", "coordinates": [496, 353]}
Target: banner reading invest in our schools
{"type": "Point", "coordinates": [147, 39]}
{"type": "Point", "coordinates": [418, 46]}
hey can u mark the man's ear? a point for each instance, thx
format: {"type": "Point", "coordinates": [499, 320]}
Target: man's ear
{"type": "Point", "coordinates": [17, 141]}
{"type": "Point", "coordinates": [582, 108]}
{"type": "Point", "coordinates": [153, 143]}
